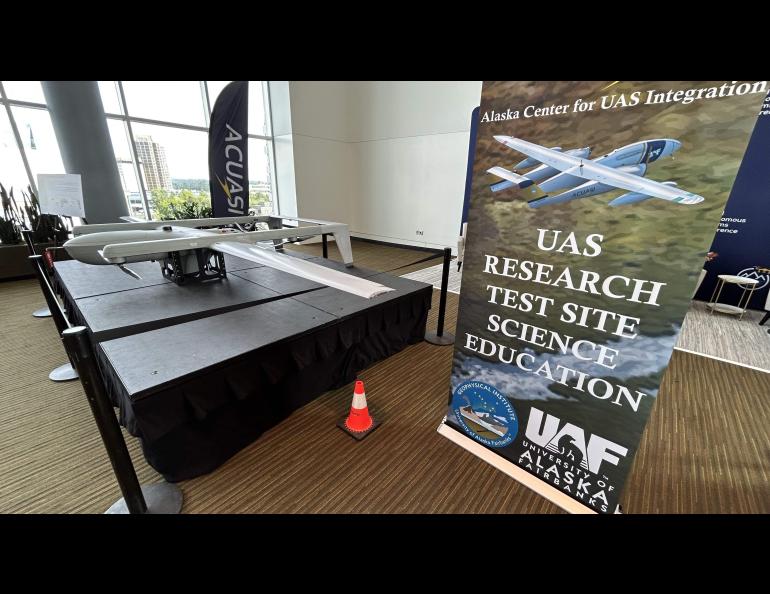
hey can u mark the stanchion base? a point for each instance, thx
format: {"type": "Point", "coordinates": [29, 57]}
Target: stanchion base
{"type": "Point", "coordinates": [63, 373]}
{"type": "Point", "coordinates": [161, 498]}
{"type": "Point", "coordinates": [445, 339]}
{"type": "Point", "coordinates": [42, 313]}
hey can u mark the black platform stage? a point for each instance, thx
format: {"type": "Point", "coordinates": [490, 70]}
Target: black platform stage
{"type": "Point", "coordinates": [199, 371]}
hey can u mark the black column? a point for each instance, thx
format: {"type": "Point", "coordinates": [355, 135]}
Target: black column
{"type": "Point", "coordinates": [81, 130]}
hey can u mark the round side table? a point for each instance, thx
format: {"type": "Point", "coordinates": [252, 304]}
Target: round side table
{"type": "Point", "coordinates": [747, 284]}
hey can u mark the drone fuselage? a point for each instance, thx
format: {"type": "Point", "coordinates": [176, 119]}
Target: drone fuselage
{"type": "Point", "coordinates": [87, 248]}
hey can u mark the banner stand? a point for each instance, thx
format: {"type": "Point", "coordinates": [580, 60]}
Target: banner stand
{"type": "Point", "coordinates": [520, 475]}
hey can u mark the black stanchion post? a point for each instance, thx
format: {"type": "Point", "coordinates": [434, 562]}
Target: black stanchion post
{"type": "Point", "coordinates": [325, 243]}
{"type": "Point", "coordinates": [439, 337]}
{"type": "Point", "coordinates": [77, 344]}
{"type": "Point", "coordinates": [56, 312]}
{"type": "Point", "coordinates": [29, 239]}
{"type": "Point", "coordinates": [161, 498]}
{"type": "Point", "coordinates": [64, 372]}
{"type": "Point", "coordinates": [43, 312]}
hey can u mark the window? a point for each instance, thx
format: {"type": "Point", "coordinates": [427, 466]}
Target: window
{"type": "Point", "coordinates": [27, 141]}
{"type": "Point", "coordinates": [260, 191]}
{"type": "Point", "coordinates": [167, 101]}
{"type": "Point", "coordinates": [127, 169]}
{"type": "Point", "coordinates": [12, 172]}
{"type": "Point", "coordinates": [173, 162]}
{"type": "Point", "coordinates": [110, 93]}
{"type": "Point", "coordinates": [38, 140]}
{"type": "Point", "coordinates": [24, 90]}
{"type": "Point", "coordinates": [159, 130]}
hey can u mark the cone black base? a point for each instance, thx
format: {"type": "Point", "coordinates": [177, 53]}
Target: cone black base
{"type": "Point", "coordinates": [359, 435]}
{"type": "Point", "coordinates": [445, 339]}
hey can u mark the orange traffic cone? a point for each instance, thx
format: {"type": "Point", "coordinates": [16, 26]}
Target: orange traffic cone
{"type": "Point", "coordinates": [359, 422]}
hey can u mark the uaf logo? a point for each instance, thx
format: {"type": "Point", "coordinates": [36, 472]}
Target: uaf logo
{"type": "Point", "coordinates": [763, 278]}
{"type": "Point", "coordinates": [548, 435]}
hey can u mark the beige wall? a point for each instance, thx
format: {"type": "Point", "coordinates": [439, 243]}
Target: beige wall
{"type": "Point", "coordinates": [386, 157]}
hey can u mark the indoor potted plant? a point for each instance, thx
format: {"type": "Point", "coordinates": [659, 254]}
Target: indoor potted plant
{"type": "Point", "coordinates": [13, 252]}
{"type": "Point", "coordinates": [48, 231]}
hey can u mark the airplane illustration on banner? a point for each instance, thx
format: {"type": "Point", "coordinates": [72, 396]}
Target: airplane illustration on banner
{"type": "Point", "coordinates": [552, 169]}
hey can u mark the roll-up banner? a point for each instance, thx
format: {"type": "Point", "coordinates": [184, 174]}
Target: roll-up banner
{"type": "Point", "coordinates": [593, 207]}
{"type": "Point", "coordinates": [229, 151]}
{"type": "Point", "coordinates": [742, 243]}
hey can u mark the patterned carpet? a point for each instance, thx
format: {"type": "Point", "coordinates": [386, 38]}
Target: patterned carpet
{"type": "Point", "coordinates": [706, 447]}
{"type": "Point", "coordinates": [725, 336]}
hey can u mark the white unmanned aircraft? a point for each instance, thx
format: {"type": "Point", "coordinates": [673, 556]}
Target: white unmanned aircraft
{"type": "Point", "coordinates": [188, 252]}
{"type": "Point", "coordinates": [623, 168]}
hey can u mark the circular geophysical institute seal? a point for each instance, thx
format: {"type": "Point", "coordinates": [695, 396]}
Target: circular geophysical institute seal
{"type": "Point", "coordinates": [485, 414]}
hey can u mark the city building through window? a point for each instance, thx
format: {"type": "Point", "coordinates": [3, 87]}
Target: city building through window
{"type": "Point", "coordinates": [164, 126]}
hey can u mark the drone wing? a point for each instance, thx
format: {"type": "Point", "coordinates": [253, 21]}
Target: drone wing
{"type": "Point", "coordinates": [303, 268]}
{"type": "Point", "coordinates": [241, 245]}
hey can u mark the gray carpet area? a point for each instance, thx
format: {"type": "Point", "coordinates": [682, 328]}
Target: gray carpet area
{"type": "Point", "coordinates": [726, 337]}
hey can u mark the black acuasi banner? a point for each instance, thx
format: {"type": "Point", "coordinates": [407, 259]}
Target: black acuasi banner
{"type": "Point", "coordinates": [228, 151]}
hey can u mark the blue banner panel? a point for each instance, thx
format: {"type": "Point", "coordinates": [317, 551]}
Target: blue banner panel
{"type": "Point", "coordinates": [469, 170]}
{"type": "Point", "coordinates": [742, 244]}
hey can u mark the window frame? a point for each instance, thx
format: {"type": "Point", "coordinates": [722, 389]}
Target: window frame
{"type": "Point", "coordinates": [7, 105]}
{"type": "Point", "coordinates": [128, 119]}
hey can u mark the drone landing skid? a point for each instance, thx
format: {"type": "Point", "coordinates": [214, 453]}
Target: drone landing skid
{"type": "Point", "coordinates": [197, 266]}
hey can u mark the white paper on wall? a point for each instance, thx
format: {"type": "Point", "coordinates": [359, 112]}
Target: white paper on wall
{"type": "Point", "coordinates": [61, 194]}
